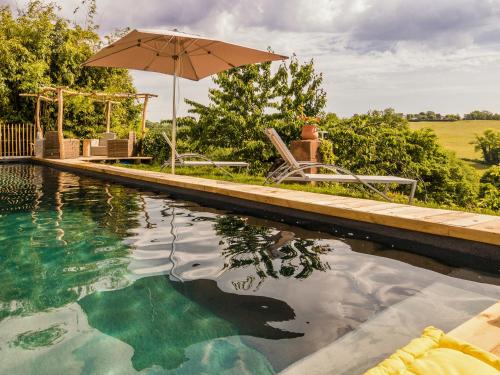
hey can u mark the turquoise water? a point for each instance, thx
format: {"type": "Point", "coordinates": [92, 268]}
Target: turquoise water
{"type": "Point", "coordinates": [99, 278]}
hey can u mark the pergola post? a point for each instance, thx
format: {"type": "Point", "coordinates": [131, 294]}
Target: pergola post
{"type": "Point", "coordinates": [37, 116]}
{"type": "Point", "coordinates": [60, 135]}
{"type": "Point", "coordinates": [108, 115]}
{"type": "Point", "coordinates": [143, 119]}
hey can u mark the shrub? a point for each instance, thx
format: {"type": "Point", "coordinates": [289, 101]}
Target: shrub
{"type": "Point", "coordinates": [489, 190]}
{"type": "Point", "coordinates": [382, 143]}
{"type": "Point", "coordinates": [154, 145]}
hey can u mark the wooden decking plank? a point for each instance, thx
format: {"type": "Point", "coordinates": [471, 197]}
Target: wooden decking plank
{"type": "Point", "coordinates": [381, 207]}
{"type": "Point", "coordinates": [407, 211]}
{"type": "Point", "coordinates": [491, 226]}
{"type": "Point", "coordinates": [448, 216]}
{"type": "Point", "coordinates": [483, 330]}
{"type": "Point", "coordinates": [473, 221]}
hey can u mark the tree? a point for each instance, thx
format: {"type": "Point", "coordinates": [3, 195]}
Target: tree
{"type": "Point", "coordinates": [489, 145]}
{"type": "Point", "coordinates": [247, 100]}
{"type": "Point", "coordinates": [481, 115]}
{"type": "Point", "coordinates": [40, 48]}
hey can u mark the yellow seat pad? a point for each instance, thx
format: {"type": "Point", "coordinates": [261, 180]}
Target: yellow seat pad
{"type": "Point", "coordinates": [436, 353]}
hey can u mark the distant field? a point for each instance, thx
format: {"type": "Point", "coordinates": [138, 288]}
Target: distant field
{"type": "Point", "coordinates": [456, 136]}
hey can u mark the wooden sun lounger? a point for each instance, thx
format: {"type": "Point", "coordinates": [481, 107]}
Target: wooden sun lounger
{"type": "Point", "coordinates": [181, 160]}
{"type": "Point", "coordinates": [293, 170]}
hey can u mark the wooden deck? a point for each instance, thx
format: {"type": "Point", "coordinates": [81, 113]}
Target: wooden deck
{"type": "Point", "coordinates": [482, 331]}
{"type": "Point", "coordinates": [453, 224]}
{"type": "Point", "coordinates": [7, 159]}
{"type": "Point", "coordinates": [138, 159]}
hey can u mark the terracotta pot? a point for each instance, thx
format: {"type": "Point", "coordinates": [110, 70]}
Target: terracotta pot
{"type": "Point", "coordinates": [309, 132]}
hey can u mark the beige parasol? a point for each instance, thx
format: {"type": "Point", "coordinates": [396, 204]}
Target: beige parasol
{"type": "Point", "coordinates": [181, 55]}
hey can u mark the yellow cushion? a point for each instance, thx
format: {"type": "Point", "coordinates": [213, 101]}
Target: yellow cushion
{"type": "Point", "coordinates": [436, 353]}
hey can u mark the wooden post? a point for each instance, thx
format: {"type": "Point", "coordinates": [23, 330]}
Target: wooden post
{"type": "Point", "coordinates": [33, 140]}
{"type": "Point", "coordinates": [143, 119]}
{"type": "Point", "coordinates": [4, 152]}
{"type": "Point", "coordinates": [10, 139]}
{"type": "Point", "coordinates": [18, 141]}
{"type": "Point", "coordinates": [60, 135]}
{"type": "Point", "coordinates": [23, 140]}
{"type": "Point", "coordinates": [37, 115]}
{"type": "Point", "coordinates": [108, 116]}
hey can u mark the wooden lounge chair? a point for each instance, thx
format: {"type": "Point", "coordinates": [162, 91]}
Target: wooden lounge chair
{"type": "Point", "coordinates": [182, 160]}
{"type": "Point", "coordinates": [293, 170]}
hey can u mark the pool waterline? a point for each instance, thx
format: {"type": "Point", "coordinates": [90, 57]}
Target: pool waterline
{"type": "Point", "coordinates": [250, 294]}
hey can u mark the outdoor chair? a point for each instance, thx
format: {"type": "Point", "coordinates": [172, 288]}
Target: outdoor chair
{"type": "Point", "coordinates": [293, 170]}
{"type": "Point", "coordinates": [51, 146]}
{"type": "Point", "coordinates": [99, 147]}
{"type": "Point", "coordinates": [182, 160]}
{"type": "Point", "coordinates": [121, 147]}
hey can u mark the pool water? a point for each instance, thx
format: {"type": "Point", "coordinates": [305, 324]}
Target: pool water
{"type": "Point", "coordinates": [100, 278]}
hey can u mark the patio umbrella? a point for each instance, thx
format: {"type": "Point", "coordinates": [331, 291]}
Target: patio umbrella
{"type": "Point", "coordinates": [182, 55]}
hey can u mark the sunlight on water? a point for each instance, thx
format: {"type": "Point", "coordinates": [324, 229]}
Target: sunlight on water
{"type": "Point", "coordinates": [100, 278]}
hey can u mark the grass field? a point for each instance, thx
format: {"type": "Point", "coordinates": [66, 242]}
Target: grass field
{"type": "Point", "coordinates": [456, 136]}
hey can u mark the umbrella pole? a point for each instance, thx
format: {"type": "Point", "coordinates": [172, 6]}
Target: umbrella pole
{"type": "Point", "coordinates": [174, 121]}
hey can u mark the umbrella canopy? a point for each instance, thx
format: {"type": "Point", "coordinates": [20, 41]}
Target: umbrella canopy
{"type": "Point", "coordinates": [182, 55]}
{"type": "Point", "coordinates": [188, 56]}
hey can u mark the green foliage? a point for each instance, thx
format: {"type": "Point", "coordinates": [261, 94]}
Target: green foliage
{"type": "Point", "coordinates": [489, 191]}
{"type": "Point", "coordinates": [249, 99]}
{"type": "Point", "coordinates": [154, 144]}
{"type": "Point", "coordinates": [39, 48]}
{"type": "Point", "coordinates": [381, 143]}
{"type": "Point", "coordinates": [492, 176]}
{"type": "Point", "coordinates": [482, 115]}
{"type": "Point", "coordinates": [431, 116]}
{"type": "Point", "coordinates": [489, 145]}
{"type": "Point", "coordinates": [326, 152]}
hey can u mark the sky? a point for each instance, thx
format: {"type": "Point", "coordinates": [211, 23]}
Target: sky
{"type": "Point", "coordinates": [438, 55]}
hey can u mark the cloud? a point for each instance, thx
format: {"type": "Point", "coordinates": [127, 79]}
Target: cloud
{"type": "Point", "coordinates": [442, 55]}
{"type": "Point", "coordinates": [435, 24]}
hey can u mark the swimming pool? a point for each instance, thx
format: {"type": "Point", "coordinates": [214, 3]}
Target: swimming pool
{"type": "Point", "coordinates": [99, 278]}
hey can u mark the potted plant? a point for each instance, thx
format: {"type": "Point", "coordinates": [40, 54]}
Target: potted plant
{"type": "Point", "coordinates": [309, 127]}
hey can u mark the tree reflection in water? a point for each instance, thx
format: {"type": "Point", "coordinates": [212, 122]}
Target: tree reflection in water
{"type": "Point", "coordinates": [270, 254]}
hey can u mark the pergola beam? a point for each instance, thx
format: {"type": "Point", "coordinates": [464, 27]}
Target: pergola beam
{"type": "Point", "coordinates": [99, 94]}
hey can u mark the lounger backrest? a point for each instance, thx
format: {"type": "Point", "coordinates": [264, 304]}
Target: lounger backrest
{"type": "Point", "coordinates": [170, 143]}
{"type": "Point", "coordinates": [281, 147]}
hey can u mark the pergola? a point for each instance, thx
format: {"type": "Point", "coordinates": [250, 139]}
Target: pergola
{"type": "Point", "coordinates": [56, 94]}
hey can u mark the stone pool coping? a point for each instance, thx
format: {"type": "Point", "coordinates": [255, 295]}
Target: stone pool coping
{"type": "Point", "coordinates": [456, 231]}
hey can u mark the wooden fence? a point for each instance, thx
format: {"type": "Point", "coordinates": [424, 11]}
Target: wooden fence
{"type": "Point", "coordinates": [17, 139]}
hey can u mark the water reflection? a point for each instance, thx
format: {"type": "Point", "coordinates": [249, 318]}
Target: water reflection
{"type": "Point", "coordinates": [245, 245]}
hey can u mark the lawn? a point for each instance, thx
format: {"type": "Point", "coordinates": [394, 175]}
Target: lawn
{"type": "Point", "coordinates": [456, 136]}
